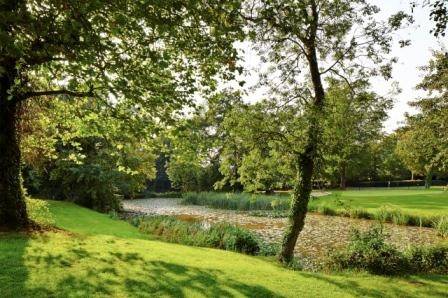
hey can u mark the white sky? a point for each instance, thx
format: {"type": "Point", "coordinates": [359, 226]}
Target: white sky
{"type": "Point", "coordinates": [405, 72]}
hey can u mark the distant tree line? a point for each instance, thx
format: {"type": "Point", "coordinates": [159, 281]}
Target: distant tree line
{"type": "Point", "coordinates": [231, 145]}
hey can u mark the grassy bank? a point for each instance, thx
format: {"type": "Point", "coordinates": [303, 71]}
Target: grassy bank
{"type": "Point", "coordinates": [100, 257]}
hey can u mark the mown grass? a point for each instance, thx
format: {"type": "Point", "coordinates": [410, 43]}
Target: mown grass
{"type": "Point", "coordinates": [112, 259]}
{"type": "Point", "coordinates": [421, 202]}
{"type": "Point", "coordinates": [414, 207]}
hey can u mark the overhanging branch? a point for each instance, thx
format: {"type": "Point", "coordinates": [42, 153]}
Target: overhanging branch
{"type": "Point", "coordinates": [57, 92]}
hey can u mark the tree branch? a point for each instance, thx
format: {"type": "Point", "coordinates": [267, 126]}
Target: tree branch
{"type": "Point", "coordinates": [57, 92]}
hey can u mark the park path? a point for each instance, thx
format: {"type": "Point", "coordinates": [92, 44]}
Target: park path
{"type": "Point", "coordinates": [321, 233]}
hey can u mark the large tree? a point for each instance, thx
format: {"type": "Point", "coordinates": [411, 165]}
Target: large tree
{"type": "Point", "coordinates": [304, 41]}
{"type": "Point", "coordinates": [148, 55]}
{"type": "Point", "coordinates": [197, 141]}
{"type": "Point", "coordinates": [423, 145]}
{"type": "Point", "coordinates": [261, 143]}
{"type": "Point", "coordinates": [353, 120]}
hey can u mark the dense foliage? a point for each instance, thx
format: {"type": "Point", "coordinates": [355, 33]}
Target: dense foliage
{"type": "Point", "coordinates": [370, 251]}
{"type": "Point", "coordinates": [81, 152]}
{"type": "Point", "coordinates": [133, 60]}
{"type": "Point", "coordinates": [423, 142]}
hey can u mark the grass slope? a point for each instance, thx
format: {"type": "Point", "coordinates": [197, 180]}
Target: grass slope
{"type": "Point", "coordinates": [102, 257]}
{"type": "Point", "coordinates": [413, 201]}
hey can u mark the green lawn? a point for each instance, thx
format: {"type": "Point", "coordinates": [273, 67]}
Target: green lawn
{"type": "Point", "coordinates": [102, 257]}
{"type": "Point", "coordinates": [413, 201]}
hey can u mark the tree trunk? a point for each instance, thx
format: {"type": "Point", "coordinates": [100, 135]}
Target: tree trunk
{"type": "Point", "coordinates": [343, 182]}
{"type": "Point", "coordinates": [428, 180]}
{"type": "Point", "coordinates": [303, 185]}
{"type": "Point", "coordinates": [299, 204]}
{"type": "Point", "coordinates": [13, 212]}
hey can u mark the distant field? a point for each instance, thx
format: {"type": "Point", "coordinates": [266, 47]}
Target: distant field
{"type": "Point", "coordinates": [414, 201]}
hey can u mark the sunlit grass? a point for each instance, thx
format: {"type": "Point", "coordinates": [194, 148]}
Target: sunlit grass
{"type": "Point", "coordinates": [101, 257]}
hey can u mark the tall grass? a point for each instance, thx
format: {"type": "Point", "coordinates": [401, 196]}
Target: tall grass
{"type": "Point", "coordinates": [384, 214]}
{"type": "Point", "coordinates": [441, 225]}
{"type": "Point", "coordinates": [236, 201]}
{"type": "Point", "coordinates": [278, 205]}
{"type": "Point", "coordinates": [162, 195]}
{"type": "Point", "coordinates": [220, 235]}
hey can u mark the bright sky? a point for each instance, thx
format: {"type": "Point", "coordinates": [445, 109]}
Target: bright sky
{"type": "Point", "coordinates": [406, 71]}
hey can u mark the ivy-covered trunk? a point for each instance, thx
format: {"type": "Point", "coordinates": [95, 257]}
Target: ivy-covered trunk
{"type": "Point", "coordinates": [13, 212]}
{"type": "Point", "coordinates": [303, 184]}
{"type": "Point", "coordinates": [299, 204]}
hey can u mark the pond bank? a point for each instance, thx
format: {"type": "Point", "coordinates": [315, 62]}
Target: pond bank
{"type": "Point", "coordinates": [321, 233]}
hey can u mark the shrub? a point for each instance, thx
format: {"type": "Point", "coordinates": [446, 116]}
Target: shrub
{"type": "Point", "coordinates": [39, 212]}
{"type": "Point", "coordinates": [269, 249]}
{"type": "Point", "coordinates": [428, 259]}
{"type": "Point", "coordinates": [235, 238]}
{"type": "Point", "coordinates": [441, 225]}
{"type": "Point", "coordinates": [369, 251]}
{"type": "Point", "coordinates": [221, 235]}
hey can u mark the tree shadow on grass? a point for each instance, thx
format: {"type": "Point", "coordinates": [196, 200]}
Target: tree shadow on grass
{"type": "Point", "coordinates": [181, 281]}
{"type": "Point", "coordinates": [13, 273]}
{"type": "Point", "coordinates": [354, 288]}
{"type": "Point", "coordinates": [76, 270]}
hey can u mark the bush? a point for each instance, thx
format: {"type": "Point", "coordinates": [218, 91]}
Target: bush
{"type": "Point", "coordinates": [441, 225]}
{"type": "Point", "coordinates": [221, 235]}
{"type": "Point", "coordinates": [235, 238]}
{"type": "Point", "coordinates": [90, 185]}
{"type": "Point", "coordinates": [39, 212]}
{"type": "Point", "coordinates": [428, 259]}
{"type": "Point", "coordinates": [269, 249]}
{"type": "Point", "coordinates": [369, 251]}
